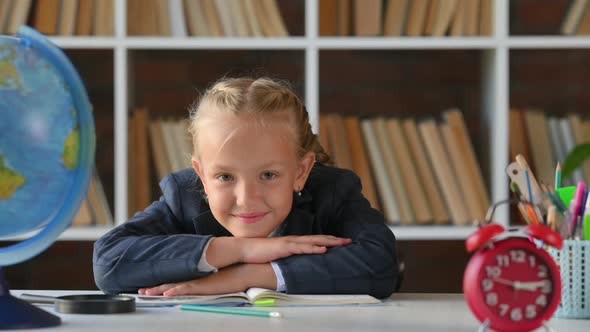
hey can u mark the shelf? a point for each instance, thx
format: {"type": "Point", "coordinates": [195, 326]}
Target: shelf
{"type": "Point", "coordinates": [85, 42]}
{"type": "Point", "coordinates": [91, 233]}
{"type": "Point", "coordinates": [430, 232]}
{"type": "Point", "coordinates": [215, 43]}
{"type": "Point", "coordinates": [362, 43]}
{"type": "Point", "coordinates": [548, 42]}
{"type": "Point", "coordinates": [328, 43]}
{"type": "Point", "coordinates": [426, 232]}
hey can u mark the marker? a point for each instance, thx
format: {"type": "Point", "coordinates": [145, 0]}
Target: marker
{"type": "Point", "coordinates": [558, 176]}
{"type": "Point", "coordinates": [578, 205]}
{"type": "Point", "coordinates": [263, 303]}
{"type": "Point", "coordinates": [586, 223]}
{"type": "Point", "coordinates": [231, 311]}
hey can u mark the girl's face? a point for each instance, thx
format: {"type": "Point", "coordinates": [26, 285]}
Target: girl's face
{"type": "Point", "coordinates": [250, 170]}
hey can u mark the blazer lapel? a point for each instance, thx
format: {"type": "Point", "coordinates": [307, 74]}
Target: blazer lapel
{"type": "Point", "coordinates": [299, 221]}
{"type": "Point", "coordinates": [205, 224]}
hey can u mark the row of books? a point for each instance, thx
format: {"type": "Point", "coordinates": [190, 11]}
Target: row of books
{"type": "Point", "coordinates": [163, 143]}
{"type": "Point", "coordinates": [95, 210]}
{"type": "Point", "coordinates": [406, 17]}
{"type": "Point", "coordinates": [577, 19]}
{"type": "Point", "coordinates": [58, 17]}
{"type": "Point", "coordinates": [415, 171]}
{"type": "Point", "coordinates": [215, 18]}
{"type": "Point", "coordinates": [545, 140]}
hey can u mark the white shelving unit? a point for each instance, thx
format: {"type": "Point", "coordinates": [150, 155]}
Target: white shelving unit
{"type": "Point", "coordinates": [494, 108]}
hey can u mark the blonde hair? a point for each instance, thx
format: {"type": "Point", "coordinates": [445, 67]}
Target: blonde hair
{"type": "Point", "coordinates": [257, 97]}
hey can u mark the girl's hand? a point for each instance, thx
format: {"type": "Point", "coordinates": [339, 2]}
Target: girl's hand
{"type": "Point", "coordinates": [265, 250]}
{"type": "Point", "coordinates": [232, 279]}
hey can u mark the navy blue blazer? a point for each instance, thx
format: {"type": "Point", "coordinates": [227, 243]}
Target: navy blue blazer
{"type": "Point", "coordinates": [164, 243]}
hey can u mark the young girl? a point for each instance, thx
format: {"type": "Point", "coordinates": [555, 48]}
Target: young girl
{"type": "Point", "coordinates": [259, 209]}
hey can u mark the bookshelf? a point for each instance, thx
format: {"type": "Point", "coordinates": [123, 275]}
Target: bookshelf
{"type": "Point", "coordinates": [493, 53]}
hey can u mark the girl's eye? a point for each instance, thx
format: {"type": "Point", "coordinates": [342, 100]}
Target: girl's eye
{"type": "Point", "coordinates": [268, 175]}
{"type": "Point", "coordinates": [224, 177]}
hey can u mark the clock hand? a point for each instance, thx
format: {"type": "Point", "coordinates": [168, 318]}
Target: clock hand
{"type": "Point", "coordinates": [505, 281]}
{"type": "Point", "coordinates": [529, 285]}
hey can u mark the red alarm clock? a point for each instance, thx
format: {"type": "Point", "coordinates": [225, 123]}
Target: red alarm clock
{"type": "Point", "coordinates": [511, 284]}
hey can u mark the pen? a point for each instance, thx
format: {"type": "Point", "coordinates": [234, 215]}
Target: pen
{"type": "Point", "coordinates": [551, 217]}
{"type": "Point", "coordinates": [586, 224]}
{"type": "Point", "coordinates": [532, 215]}
{"type": "Point", "coordinates": [231, 311]}
{"type": "Point", "coordinates": [528, 184]}
{"type": "Point", "coordinates": [578, 205]}
{"type": "Point", "coordinates": [558, 176]}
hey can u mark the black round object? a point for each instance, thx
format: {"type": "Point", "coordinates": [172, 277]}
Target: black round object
{"type": "Point", "coordinates": [85, 303]}
{"type": "Point", "coordinates": [94, 304]}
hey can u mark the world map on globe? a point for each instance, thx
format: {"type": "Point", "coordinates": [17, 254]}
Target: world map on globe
{"type": "Point", "coordinates": [39, 139]}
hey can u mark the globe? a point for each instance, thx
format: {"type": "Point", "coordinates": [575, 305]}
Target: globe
{"type": "Point", "coordinates": [47, 145]}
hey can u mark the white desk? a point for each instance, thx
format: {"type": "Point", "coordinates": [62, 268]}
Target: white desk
{"type": "Point", "coordinates": [404, 312]}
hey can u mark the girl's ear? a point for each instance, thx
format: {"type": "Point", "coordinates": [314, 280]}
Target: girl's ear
{"type": "Point", "coordinates": [199, 171]}
{"type": "Point", "coordinates": [304, 168]}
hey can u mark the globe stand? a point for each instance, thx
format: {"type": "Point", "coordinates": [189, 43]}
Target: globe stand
{"type": "Point", "coordinates": [18, 314]}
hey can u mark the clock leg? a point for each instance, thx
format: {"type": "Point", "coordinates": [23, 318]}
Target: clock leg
{"type": "Point", "coordinates": [484, 326]}
{"type": "Point", "coordinates": [547, 327]}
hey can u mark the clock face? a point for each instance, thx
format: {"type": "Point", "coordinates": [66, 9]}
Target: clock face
{"type": "Point", "coordinates": [513, 284]}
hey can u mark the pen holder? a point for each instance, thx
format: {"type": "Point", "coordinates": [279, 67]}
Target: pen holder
{"type": "Point", "coordinates": [574, 264]}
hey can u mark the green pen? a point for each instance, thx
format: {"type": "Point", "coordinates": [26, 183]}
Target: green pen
{"type": "Point", "coordinates": [231, 311]}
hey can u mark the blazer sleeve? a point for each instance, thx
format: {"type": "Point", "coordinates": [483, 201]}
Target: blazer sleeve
{"type": "Point", "coordinates": [152, 248]}
{"type": "Point", "coordinates": [368, 265]}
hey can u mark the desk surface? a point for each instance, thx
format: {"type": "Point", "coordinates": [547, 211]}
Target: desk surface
{"type": "Point", "coordinates": [404, 312]}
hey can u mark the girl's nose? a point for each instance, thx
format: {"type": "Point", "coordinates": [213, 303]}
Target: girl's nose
{"type": "Point", "coordinates": [246, 192]}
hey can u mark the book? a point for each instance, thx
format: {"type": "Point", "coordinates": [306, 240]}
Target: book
{"type": "Point", "coordinates": [409, 173]}
{"type": "Point", "coordinates": [359, 158]}
{"type": "Point", "coordinates": [18, 17]}
{"type": "Point", "coordinates": [327, 22]}
{"type": "Point", "coordinates": [457, 123]}
{"type": "Point", "coordinates": [343, 17]}
{"type": "Point", "coordinates": [104, 18]}
{"type": "Point", "coordinates": [251, 297]}
{"type": "Point", "coordinates": [458, 20]}
{"type": "Point", "coordinates": [486, 19]}
{"type": "Point", "coordinates": [395, 17]}
{"type": "Point", "coordinates": [417, 17]}
{"type": "Point", "coordinates": [471, 27]}
{"type": "Point", "coordinates": [573, 17]}
{"type": "Point", "coordinates": [367, 17]}
{"type": "Point", "coordinates": [338, 141]}
{"type": "Point", "coordinates": [393, 170]}
{"type": "Point", "coordinates": [46, 16]}
{"type": "Point", "coordinates": [445, 14]}
{"type": "Point", "coordinates": [163, 19]}
{"type": "Point", "coordinates": [177, 18]}
{"type": "Point", "coordinates": [251, 18]}
{"type": "Point", "coordinates": [540, 144]}
{"type": "Point", "coordinates": [195, 18]}
{"type": "Point", "coordinates": [5, 12]}
{"type": "Point", "coordinates": [68, 12]}
{"type": "Point", "coordinates": [84, 18]}
{"type": "Point", "coordinates": [388, 202]}
{"type": "Point", "coordinates": [441, 165]}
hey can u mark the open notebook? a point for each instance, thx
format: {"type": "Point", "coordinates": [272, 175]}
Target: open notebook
{"type": "Point", "coordinates": [253, 296]}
